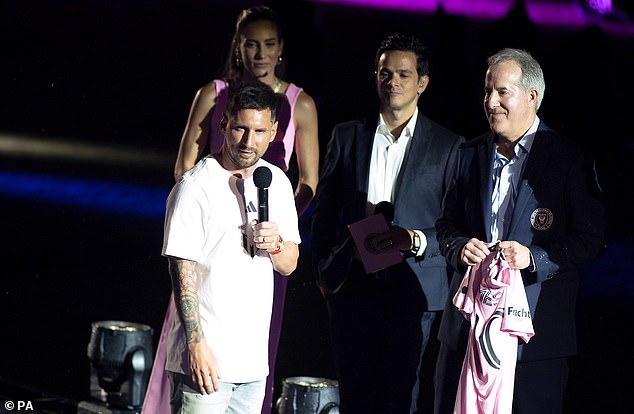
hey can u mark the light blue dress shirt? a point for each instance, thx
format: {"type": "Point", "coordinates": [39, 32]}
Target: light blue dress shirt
{"type": "Point", "coordinates": [506, 175]}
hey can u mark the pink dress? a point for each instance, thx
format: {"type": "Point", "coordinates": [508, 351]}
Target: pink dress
{"type": "Point", "coordinates": [492, 297]}
{"type": "Point", "coordinates": [279, 153]}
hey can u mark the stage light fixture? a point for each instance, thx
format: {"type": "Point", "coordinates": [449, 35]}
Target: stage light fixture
{"type": "Point", "coordinates": [121, 358]}
{"type": "Point", "coordinates": [308, 395]}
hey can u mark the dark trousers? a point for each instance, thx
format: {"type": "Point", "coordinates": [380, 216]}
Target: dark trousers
{"type": "Point", "coordinates": [379, 330]}
{"type": "Point", "coordinates": [539, 385]}
{"type": "Point", "coordinates": [446, 378]}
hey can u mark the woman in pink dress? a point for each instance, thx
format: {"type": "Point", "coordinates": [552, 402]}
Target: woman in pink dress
{"type": "Point", "coordinates": [256, 53]}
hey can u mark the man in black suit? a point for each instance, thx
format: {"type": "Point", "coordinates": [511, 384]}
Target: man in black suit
{"type": "Point", "coordinates": [380, 322]}
{"type": "Point", "coordinates": [535, 192]}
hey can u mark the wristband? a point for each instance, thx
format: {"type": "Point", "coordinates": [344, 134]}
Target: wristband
{"type": "Point", "coordinates": [280, 247]}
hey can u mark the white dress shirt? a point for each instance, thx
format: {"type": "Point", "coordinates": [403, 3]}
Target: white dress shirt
{"type": "Point", "coordinates": [388, 153]}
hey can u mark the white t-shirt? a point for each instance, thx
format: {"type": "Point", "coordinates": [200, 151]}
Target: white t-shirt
{"type": "Point", "coordinates": [207, 221]}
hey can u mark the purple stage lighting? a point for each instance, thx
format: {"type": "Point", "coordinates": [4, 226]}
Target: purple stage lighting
{"type": "Point", "coordinates": [573, 14]}
{"type": "Point", "coordinates": [600, 6]}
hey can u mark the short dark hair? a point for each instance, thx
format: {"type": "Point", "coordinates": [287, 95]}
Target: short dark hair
{"type": "Point", "coordinates": [405, 43]}
{"type": "Point", "coordinates": [252, 95]}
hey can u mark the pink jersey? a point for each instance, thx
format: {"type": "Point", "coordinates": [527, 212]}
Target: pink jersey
{"type": "Point", "coordinates": [492, 297]}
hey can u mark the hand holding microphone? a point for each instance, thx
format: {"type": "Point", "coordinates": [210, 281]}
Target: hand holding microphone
{"type": "Point", "coordinates": [396, 238]}
{"type": "Point", "coordinates": [266, 235]}
{"type": "Point", "coordinates": [262, 178]}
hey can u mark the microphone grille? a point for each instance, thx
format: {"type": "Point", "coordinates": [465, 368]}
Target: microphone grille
{"type": "Point", "coordinates": [387, 209]}
{"type": "Point", "coordinates": [262, 177]}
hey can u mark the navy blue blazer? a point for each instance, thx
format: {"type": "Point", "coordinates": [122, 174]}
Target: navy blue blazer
{"type": "Point", "coordinates": [558, 215]}
{"type": "Point", "coordinates": [342, 195]}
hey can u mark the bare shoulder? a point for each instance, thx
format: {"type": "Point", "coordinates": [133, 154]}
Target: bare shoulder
{"type": "Point", "coordinates": [305, 107]}
{"type": "Point", "coordinates": [206, 95]}
{"type": "Point", "coordinates": [305, 100]}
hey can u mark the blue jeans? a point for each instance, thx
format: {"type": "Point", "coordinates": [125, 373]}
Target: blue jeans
{"type": "Point", "coordinates": [244, 398]}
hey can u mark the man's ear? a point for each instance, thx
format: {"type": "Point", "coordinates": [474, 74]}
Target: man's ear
{"type": "Point", "coordinates": [532, 96]}
{"type": "Point", "coordinates": [273, 131]}
{"type": "Point", "coordinates": [223, 123]}
{"type": "Point", "coordinates": [423, 81]}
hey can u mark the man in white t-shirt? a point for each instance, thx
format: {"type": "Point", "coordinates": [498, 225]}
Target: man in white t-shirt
{"type": "Point", "coordinates": [221, 261]}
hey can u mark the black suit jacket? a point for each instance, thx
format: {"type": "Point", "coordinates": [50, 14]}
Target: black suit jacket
{"type": "Point", "coordinates": [342, 196]}
{"type": "Point", "coordinates": [558, 215]}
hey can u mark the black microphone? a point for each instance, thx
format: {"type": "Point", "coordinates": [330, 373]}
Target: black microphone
{"type": "Point", "coordinates": [262, 179]}
{"type": "Point", "coordinates": [387, 209]}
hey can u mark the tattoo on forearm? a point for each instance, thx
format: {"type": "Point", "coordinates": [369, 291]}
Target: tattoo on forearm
{"type": "Point", "coordinates": [183, 274]}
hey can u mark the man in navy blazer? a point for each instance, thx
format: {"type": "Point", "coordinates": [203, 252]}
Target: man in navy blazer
{"type": "Point", "coordinates": [535, 192]}
{"type": "Point", "coordinates": [380, 322]}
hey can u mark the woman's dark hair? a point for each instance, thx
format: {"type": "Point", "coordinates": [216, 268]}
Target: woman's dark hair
{"type": "Point", "coordinates": [233, 65]}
